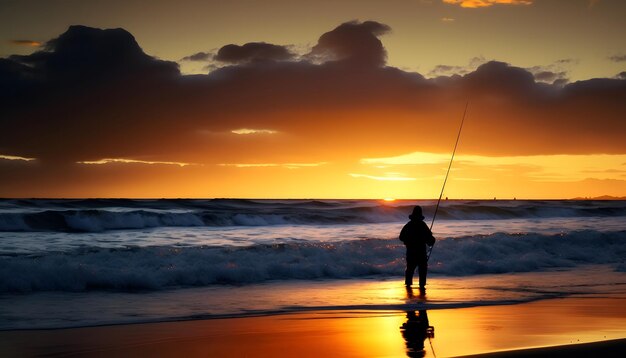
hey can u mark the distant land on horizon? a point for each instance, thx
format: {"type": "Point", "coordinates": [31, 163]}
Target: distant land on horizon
{"type": "Point", "coordinates": [603, 197]}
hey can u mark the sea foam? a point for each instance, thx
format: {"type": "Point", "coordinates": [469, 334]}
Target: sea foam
{"type": "Point", "coordinates": [162, 267]}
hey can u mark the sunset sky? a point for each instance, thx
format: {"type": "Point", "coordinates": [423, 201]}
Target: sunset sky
{"type": "Point", "coordinates": [312, 99]}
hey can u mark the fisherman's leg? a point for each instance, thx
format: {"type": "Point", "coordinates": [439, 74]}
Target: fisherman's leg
{"type": "Point", "coordinates": [423, 271]}
{"type": "Point", "coordinates": [411, 264]}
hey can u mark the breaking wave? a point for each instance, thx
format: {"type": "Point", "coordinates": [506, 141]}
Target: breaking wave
{"type": "Point", "coordinates": [163, 267]}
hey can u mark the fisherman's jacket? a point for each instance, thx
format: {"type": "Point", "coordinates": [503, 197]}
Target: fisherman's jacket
{"type": "Point", "coordinates": [416, 235]}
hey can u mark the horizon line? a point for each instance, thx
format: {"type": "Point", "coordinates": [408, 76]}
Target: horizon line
{"type": "Point", "coordinates": [600, 197]}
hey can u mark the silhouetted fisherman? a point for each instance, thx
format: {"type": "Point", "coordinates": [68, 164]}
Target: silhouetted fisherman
{"type": "Point", "coordinates": [416, 235]}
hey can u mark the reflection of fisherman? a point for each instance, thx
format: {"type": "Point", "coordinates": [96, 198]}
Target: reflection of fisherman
{"type": "Point", "coordinates": [415, 331]}
{"type": "Point", "coordinates": [416, 235]}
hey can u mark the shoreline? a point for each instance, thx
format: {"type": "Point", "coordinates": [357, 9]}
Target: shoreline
{"type": "Point", "coordinates": [497, 330]}
{"type": "Point", "coordinates": [57, 310]}
{"type": "Point", "coordinates": [606, 349]}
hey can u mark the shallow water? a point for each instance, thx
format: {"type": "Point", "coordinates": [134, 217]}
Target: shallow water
{"type": "Point", "coordinates": [74, 309]}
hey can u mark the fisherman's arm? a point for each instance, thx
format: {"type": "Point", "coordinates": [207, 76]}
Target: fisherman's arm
{"type": "Point", "coordinates": [404, 234]}
{"type": "Point", "coordinates": [428, 235]}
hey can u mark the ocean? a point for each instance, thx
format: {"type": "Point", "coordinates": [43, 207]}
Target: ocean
{"type": "Point", "coordinates": [73, 263]}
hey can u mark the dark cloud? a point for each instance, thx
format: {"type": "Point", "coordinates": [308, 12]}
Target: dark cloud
{"type": "Point", "coordinates": [93, 94]}
{"type": "Point", "coordinates": [198, 56]}
{"type": "Point", "coordinates": [354, 42]}
{"type": "Point", "coordinates": [252, 52]}
{"type": "Point", "coordinates": [551, 77]}
{"type": "Point", "coordinates": [29, 43]}
{"type": "Point", "coordinates": [83, 53]}
{"type": "Point", "coordinates": [495, 77]}
{"type": "Point", "coordinates": [621, 75]}
{"type": "Point", "coordinates": [555, 73]}
{"type": "Point", "coordinates": [79, 83]}
{"type": "Point", "coordinates": [560, 81]}
{"type": "Point", "coordinates": [617, 58]}
{"type": "Point", "coordinates": [448, 70]}
{"type": "Point", "coordinates": [565, 61]}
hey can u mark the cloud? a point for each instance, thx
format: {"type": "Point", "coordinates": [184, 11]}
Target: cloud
{"type": "Point", "coordinates": [415, 158]}
{"type": "Point", "coordinates": [449, 70]}
{"type": "Point", "coordinates": [341, 103]}
{"type": "Point", "coordinates": [566, 61]}
{"type": "Point", "coordinates": [536, 167]}
{"type": "Point", "coordinates": [84, 76]}
{"type": "Point", "coordinates": [447, 19]}
{"type": "Point", "coordinates": [617, 58]}
{"type": "Point", "coordinates": [272, 165]}
{"type": "Point", "coordinates": [486, 3]}
{"type": "Point", "coordinates": [131, 161]}
{"type": "Point", "coordinates": [245, 131]}
{"type": "Point", "coordinates": [251, 52]}
{"type": "Point", "coordinates": [94, 93]}
{"type": "Point", "coordinates": [555, 73]}
{"type": "Point", "coordinates": [29, 43]}
{"type": "Point", "coordinates": [499, 77]}
{"type": "Point", "coordinates": [549, 76]}
{"type": "Point", "coordinates": [83, 53]}
{"type": "Point", "coordinates": [13, 157]}
{"type": "Point", "coordinates": [198, 56]}
{"type": "Point", "coordinates": [385, 178]}
{"type": "Point", "coordinates": [248, 53]}
{"type": "Point", "coordinates": [352, 42]}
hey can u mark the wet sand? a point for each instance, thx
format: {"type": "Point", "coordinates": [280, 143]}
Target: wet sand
{"type": "Point", "coordinates": [568, 322]}
{"type": "Point", "coordinates": [606, 349]}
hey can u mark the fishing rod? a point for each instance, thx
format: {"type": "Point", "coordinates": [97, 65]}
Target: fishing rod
{"type": "Point", "coordinates": [431, 347]}
{"type": "Point", "coordinates": [430, 333]}
{"type": "Point", "coordinates": [458, 136]}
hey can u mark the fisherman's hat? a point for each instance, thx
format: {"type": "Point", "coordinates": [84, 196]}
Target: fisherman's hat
{"type": "Point", "coordinates": [417, 213]}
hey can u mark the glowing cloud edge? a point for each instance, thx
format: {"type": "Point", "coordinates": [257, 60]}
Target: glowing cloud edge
{"type": "Point", "coordinates": [473, 4]}
{"type": "Point", "coordinates": [131, 161]}
{"type": "Point", "coordinates": [272, 165]}
{"type": "Point", "coordinates": [247, 131]}
{"type": "Point", "coordinates": [15, 157]}
{"type": "Point", "coordinates": [389, 178]}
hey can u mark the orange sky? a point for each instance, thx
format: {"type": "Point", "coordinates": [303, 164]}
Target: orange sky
{"type": "Point", "coordinates": [358, 110]}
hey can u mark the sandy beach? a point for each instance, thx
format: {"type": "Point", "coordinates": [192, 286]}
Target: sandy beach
{"type": "Point", "coordinates": [613, 348]}
{"type": "Point", "coordinates": [569, 323]}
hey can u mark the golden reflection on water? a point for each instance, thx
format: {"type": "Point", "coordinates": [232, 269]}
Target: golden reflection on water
{"type": "Point", "coordinates": [474, 330]}
{"type": "Point", "coordinates": [462, 331]}
{"type": "Point", "coordinates": [348, 333]}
